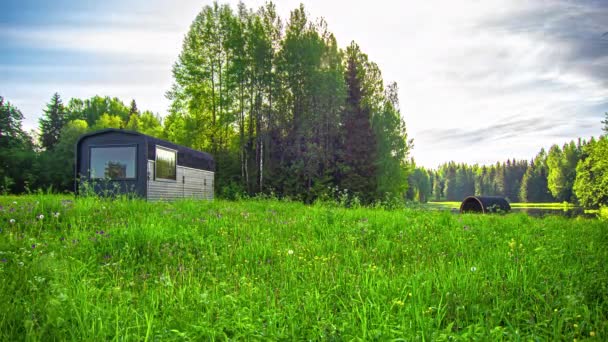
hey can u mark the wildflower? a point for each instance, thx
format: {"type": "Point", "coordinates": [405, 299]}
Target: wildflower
{"type": "Point", "coordinates": [33, 246]}
{"type": "Point", "coordinates": [40, 217]}
{"type": "Point", "coordinates": [512, 244]}
{"type": "Point", "coordinates": [399, 303]}
{"type": "Point", "coordinates": [101, 232]}
{"type": "Point", "coordinates": [473, 269]}
{"type": "Point", "coordinates": [56, 215]}
{"type": "Point", "coordinates": [15, 203]}
{"type": "Point", "coordinates": [11, 221]}
{"type": "Point", "coordinates": [592, 333]}
{"type": "Point", "coordinates": [290, 252]}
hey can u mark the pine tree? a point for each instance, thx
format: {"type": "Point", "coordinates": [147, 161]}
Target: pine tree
{"type": "Point", "coordinates": [605, 122]}
{"type": "Point", "coordinates": [11, 133]}
{"type": "Point", "coordinates": [359, 140]}
{"type": "Point", "coordinates": [52, 122]}
{"type": "Point", "coordinates": [17, 157]}
{"type": "Point", "coordinates": [133, 109]}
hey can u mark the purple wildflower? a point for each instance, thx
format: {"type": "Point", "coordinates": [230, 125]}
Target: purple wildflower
{"type": "Point", "coordinates": [33, 246]}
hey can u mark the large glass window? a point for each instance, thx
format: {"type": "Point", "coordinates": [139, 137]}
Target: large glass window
{"type": "Point", "coordinates": [116, 162]}
{"type": "Point", "coordinates": [166, 164]}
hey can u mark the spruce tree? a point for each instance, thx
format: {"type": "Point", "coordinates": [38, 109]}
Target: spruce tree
{"type": "Point", "coordinates": [359, 140]}
{"type": "Point", "coordinates": [133, 109]}
{"type": "Point", "coordinates": [52, 122]}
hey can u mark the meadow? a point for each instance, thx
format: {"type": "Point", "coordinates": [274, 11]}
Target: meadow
{"type": "Point", "coordinates": [93, 269]}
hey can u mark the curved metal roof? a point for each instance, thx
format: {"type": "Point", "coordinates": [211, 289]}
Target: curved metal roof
{"type": "Point", "coordinates": [185, 157]}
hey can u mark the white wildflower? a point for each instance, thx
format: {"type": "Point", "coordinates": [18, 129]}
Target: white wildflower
{"type": "Point", "coordinates": [11, 221]}
{"type": "Point", "coordinates": [473, 269]}
{"type": "Point", "coordinates": [40, 217]}
{"type": "Point", "coordinates": [290, 252]}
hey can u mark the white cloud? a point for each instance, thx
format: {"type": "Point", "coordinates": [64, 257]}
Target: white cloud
{"type": "Point", "coordinates": [469, 66]}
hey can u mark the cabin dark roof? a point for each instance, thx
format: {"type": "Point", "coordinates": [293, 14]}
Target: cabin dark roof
{"type": "Point", "coordinates": [185, 156]}
{"type": "Point", "coordinates": [484, 204]}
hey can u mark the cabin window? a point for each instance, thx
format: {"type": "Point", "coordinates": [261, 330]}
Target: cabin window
{"type": "Point", "coordinates": [113, 162]}
{"type": "Point", "coordinates": [166, 164]}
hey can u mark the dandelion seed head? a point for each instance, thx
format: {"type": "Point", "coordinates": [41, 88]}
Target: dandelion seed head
{"type": "Point", "coordinates": [290, 252]}
{"type": "Point", "coordinates": [40, 217]}
{"type": "Point", "coordinates": [473, 269]}
{"type": "Point", "coordinates": [12, 221]}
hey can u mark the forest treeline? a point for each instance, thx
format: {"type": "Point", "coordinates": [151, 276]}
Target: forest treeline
{"type": "Point", "coordinates": [284, 110]}
{"type": "Point", "coordinates": [281, 107]}
{"type": "Point", "coordinates": [577, 172]}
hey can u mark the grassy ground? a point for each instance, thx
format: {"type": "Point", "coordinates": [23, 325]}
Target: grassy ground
{"type": "Point", "coordinates": [129, 270]}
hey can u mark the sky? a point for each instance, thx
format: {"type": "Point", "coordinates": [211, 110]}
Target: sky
{"type": "Point", "coordinates": [479, 81]}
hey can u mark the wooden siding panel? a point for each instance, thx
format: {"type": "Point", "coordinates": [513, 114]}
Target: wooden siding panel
{"type": "Point", "coordinates": [198, 184]}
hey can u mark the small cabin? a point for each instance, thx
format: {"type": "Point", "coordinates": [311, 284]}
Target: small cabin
{"type": "Point", "coordinates": [484, 204]}
{"type": "Point", "coordinates": [115, 161]}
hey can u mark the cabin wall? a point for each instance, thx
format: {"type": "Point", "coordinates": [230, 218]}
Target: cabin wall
{"type": "Point", "coordinates": [190, 183]}
{"type": "Point", "coordinates": [135, 186]}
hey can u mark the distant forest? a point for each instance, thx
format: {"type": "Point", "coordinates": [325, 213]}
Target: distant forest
{"type": "Point", "coordinates": [285, 111]}
{"type": "Point", "coordinates": [573, 173]}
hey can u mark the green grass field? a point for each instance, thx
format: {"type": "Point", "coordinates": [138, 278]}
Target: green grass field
{"type": "Point", "coordinates": [94, 270]}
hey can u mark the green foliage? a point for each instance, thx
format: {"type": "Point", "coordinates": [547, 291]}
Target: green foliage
{"type": "Point", "coordinates": [359, 156]}
{"type": "Point", "coordinates": [94, 270]}
{"type": "Point", "coordinates": [270, 102]}
{"type": "Point", "coordinates": [146, 123]}
{"type": "Point", "coordinates": [419, 185]}
{"type": "Point", "coordinates": [534, 183]}
{"type": "Point", "coordinates": [52, 122]}
{"type": "Point", "coordinates": [108, 121]}
{"type": "Point", "coordinates": [59, 169]}
{"type": "Point", "coordinates": [562, 170]}
{"type": "Point", "coordinates": [392, 151]}
{"type": "Point", "coordinates": [91, 110]}
{"type": "Point", "coordinates": [17, 156]}
{"type": "Point", "coordinates": [591, 185]}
